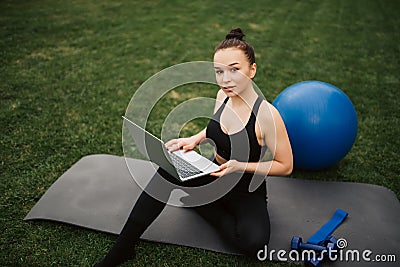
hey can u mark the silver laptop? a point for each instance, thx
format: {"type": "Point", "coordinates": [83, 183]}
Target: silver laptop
{"type": "Point", "coordinates": [183, 165]}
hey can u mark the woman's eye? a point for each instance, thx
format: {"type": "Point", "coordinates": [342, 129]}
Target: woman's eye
{"type": "Point", "coordinates": [234, 70]}
{"type": "Point", "coordinates": [219, 72]}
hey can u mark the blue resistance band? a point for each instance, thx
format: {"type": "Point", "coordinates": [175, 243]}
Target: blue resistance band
{"type": "Point", "coordinates": [328, 228]}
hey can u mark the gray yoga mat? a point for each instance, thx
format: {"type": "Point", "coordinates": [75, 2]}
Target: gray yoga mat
{"type": "Point", "coordinates": [98, 193]}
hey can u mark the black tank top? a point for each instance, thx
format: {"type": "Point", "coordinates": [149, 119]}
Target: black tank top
{"type": "Point", "coordinates": [241, 146]}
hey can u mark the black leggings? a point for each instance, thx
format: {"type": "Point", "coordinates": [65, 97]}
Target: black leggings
{"type": "Point", "coordinates": [240, 217]}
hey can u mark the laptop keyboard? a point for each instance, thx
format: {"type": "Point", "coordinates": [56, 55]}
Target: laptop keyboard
{"type": "Point", "coordinates": [184, 168]}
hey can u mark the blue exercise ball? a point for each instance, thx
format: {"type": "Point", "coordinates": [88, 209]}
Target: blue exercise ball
{"type": "Point", "coordinates": [321, 122]}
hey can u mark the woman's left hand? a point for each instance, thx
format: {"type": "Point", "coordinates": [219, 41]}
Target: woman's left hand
{"type": "Point", "coordinates": [229, 167]}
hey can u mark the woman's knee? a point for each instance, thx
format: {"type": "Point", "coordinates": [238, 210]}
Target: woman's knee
{"type": "Point", "coordinates": [254, 238]}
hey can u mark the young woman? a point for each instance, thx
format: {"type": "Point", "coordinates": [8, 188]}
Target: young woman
{"type": "Point", "coordinates": [240, 117]}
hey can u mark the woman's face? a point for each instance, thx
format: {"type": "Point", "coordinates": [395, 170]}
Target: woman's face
{"type": "Point", "coordinates": [233, 71]}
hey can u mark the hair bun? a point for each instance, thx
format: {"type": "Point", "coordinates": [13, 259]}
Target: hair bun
{"type": "Point", "coordinates": [235, 34]}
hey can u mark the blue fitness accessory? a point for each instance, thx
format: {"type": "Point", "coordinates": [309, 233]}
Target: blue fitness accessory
{"type": "Point", "coordinates": [321, 240]}
{"type": "Point", "coordinates": [321, 122]}
{"type": "Point", "coordinates": [328, 228]}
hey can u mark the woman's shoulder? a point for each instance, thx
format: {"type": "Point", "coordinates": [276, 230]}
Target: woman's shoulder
{"type": "Point", "coordinates": [267, 112]}
{"type": "Point", "coordinates": [219, 99]}
{"type": "Point", "coordinates": [221, 96]}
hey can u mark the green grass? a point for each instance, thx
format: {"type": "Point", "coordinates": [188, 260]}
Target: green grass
{"type": "Point", "coordinates": [69, 68]}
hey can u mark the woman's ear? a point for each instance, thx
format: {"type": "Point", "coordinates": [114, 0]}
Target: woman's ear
{"type": "Point", "coordinates": [253, 70]}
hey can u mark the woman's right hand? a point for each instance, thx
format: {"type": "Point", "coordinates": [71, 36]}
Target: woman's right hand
{"type": "Point", "coordinates": [186, 143]}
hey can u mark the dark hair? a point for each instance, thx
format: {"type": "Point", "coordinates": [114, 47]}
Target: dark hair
{"type": "Point", "coordinates": [235, 39]}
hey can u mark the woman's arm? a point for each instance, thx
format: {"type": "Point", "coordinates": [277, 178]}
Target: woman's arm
{"type": "Point", "coordinates": [278, 143]}
{"type": "Point", "coordinates": [186, 143]}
